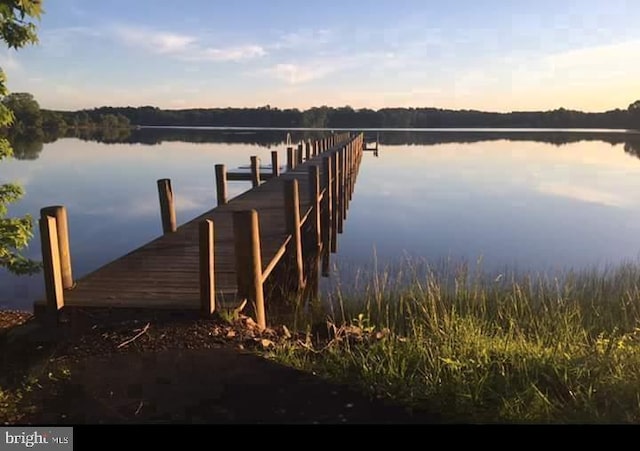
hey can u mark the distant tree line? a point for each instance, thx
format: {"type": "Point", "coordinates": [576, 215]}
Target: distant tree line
{"type": "Point", "coordinates": [29, 118]}
{"type": "Point", "coordinates": [347, 117]}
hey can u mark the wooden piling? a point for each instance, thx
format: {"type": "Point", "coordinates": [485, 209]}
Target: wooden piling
{"type": "Point", "coordinates": [51, 266]}
{"type": "Point", "coordinates": [292, 219]}
{"type": "Point", "coordinates": [291, 161]}
{"type": "Point", "coordinates": [207, 265]}
{"type": "Point", "coordinates": [314, 191]}
{"type": "Point", "coordinates": [334, 202]}
{"type": "Point", "coordinates": [343, 192]}
{"type": "Point", "coordinates": [340, 189]}
{"type": "Point", "coordinates": [354, 149]}
{"type": "Point", "coordinates": [307, 150]}
{"type": "Point", "coordinates": [299, 154]}
{"type": "Point", "coordinates": [221, 184]}
{"type": "Point", "coordinates": [325, 218]}
{"type": "Point", "coordinates": [167, 207]}
{"type": "Point", "coordinates": [246, 236]}
{"type": "Point", "coordinates": [275, 168]}
{"type": "Point", "coordinates": [62, 230]}
{"type": "Point", "coordinates": [255, 171]}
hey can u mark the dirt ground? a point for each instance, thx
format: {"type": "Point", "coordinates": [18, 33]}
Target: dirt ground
{"type": "Point", "coordinates": [159, 370]}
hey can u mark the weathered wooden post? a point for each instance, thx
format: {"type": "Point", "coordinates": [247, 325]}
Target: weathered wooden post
{"type": "Point", "coordinates": [221, 184]}
{"type": "Point", "coordinates": [167, 207]}
{"type": "Point", "coordinates": [343, 193]}
{"type": "Point", "coordinates": [275, 168]}
{"type": "Point", "coordinates": [307, 150]}
{"type": "Point", "coordinates": [51, 266]}
{"type": "Point", "coordinates": [246, 237]}
{"type": "Point", "coordinates": [62, 230]}
{"type": "Point", "coordinates": [299, 154]}
{"type": "Point", "coordinates": [335, 172]}
{"type": "Point", "coordinates": [207, 268]}
{"type": "Point", "coordinates": [291, 161]}
{"type": "Point", "coordinates": [292, 219]}
{"type": "Point", "coordinates": [340, 189]}
{"type": "Point", "coordinates": [314, 191]}
{"type": "Point", "coordinates": [352, 168]}
{"type": "Point", "coordinates": [325, 218]}
{"type": "Point", "coordinates": [255, 171]}
{"type": "Point", "coordinates": [347, 181]}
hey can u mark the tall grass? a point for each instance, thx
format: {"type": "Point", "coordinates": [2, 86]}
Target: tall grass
{"type": "Point", "coordinates": [463, 346]}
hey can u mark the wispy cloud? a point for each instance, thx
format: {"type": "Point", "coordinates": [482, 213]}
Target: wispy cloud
{"type": "Point", "coordinates": [316, 68]}
{"type": "Point", "coordinates": [239, 53]}
{"type": "Point", "coordinates": [60, 41]}
{"type": "Point", "coordinates": [155, 41]}
{"type": "Point", "coordinates": [184, 46]}
{"type": "Point", "coordinates": [303, 39]}
{"type": "Point", "coordinates": [294, 74]}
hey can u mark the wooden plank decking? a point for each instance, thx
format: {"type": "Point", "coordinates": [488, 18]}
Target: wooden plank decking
{"type": "Point", "coordinates": [164, 273]}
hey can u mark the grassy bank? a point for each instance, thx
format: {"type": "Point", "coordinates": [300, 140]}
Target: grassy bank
{"type": "Point", "coordinates": [475, 349]}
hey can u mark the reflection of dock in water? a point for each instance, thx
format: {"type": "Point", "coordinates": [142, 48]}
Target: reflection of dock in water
{"type": "Point", "coordinates": [368, 146]}
{"type": "Point", "coordinates": [284, 229]}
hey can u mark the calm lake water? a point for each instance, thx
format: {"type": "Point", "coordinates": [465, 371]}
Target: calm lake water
{"type": "Point", "coordinates": [524, 200]}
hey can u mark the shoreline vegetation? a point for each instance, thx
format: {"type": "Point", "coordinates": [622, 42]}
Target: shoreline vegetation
{"type": "Point", "coordinates": [451, 346]}
{"type": "Point", "coordinates": [464, 348]}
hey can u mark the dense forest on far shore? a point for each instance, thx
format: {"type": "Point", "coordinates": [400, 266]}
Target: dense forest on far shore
{"type": "Point", "coordinates": [347, 117]}
{"type": "Point", "coordinates": [29, 116]}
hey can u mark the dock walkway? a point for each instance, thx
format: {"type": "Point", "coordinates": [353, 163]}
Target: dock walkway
{"type": "Point", "coordinates": [172, 271]}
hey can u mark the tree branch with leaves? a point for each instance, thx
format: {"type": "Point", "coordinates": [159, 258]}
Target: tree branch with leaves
{"type": "Point", "coordinates": [17, 29]}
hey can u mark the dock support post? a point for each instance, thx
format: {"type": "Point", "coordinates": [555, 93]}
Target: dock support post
{"type": "Point", "coordinates": [275, 168]}
{"type": "Point", "coordinates": [207, 265]}
{"type": "Point", "coordinates": [307, 150]}
{"type": "Point", "coordinates": [62, 231]}
{"type": "Point", "coordinates": [221, 184]}
{"type": "Point", "coordinates": [325, 219]}
{"type": "Point", "coordinates": [340, 156]}
{"type": "Point", "coordinates": [167, 207]}
{"type": "Point", "coordinates": [255, 171]}
{"type": "Point", "coordinates": [246, 237]}
{"type": "Point", "coordinates": [335, 172]}
{"type": "Point", "coordinates": [51, 266]}
{"type": "Point", "coordinates": [352, 166]}
{"type": "Point", "coordinates": [291, 161]}
{"type": "Point", "coordinates": [345, 174]}
{"type": "Point", "coordinates": [299, 154]}
{"type": "Point", "coordinates": [292, 218]}
{"type": "Point", "coordinates": [314, 191]}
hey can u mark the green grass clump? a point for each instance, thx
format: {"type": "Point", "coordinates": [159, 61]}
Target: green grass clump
{"type": "Point", "coordinates": [472, 349]}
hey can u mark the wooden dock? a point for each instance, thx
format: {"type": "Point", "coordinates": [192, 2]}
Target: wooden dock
{"type": "Point", "coordinates": [226, 254]}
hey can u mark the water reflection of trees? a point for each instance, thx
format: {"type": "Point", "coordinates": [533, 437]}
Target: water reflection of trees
{"type": "Point", "coordinates": [444, 137]}
{"type": "Point", "coordinates": [632, 147]}
{"type": "Point", "coordinates": [101, 135]}
{"type": "Point", "coordinates": [30, 145]}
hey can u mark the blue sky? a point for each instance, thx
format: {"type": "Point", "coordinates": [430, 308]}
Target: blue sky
{"type": "Point", "coordinates": [489, 55]}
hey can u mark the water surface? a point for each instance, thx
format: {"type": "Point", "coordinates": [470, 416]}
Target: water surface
{"type": "Point", "coordinates": [527, 200]}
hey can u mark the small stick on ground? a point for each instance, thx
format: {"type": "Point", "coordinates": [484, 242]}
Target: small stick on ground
{"type": "Point", "coordinates": [138, 335]}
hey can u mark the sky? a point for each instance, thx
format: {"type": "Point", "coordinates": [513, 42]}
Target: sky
{"type": "Point", "coordinates": [484, 54]}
